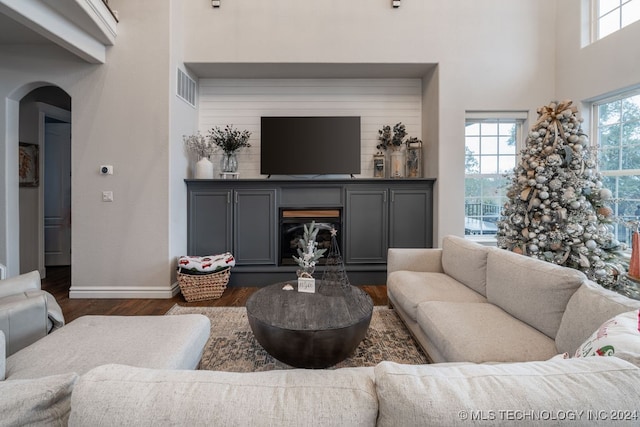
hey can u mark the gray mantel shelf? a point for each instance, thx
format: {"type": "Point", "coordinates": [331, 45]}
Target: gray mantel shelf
{"type": "Point", "coordinates": [242, 216]}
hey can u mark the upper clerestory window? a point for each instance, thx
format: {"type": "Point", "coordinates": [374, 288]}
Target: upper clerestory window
{"type": "Point", "coordinates": [611, 15]}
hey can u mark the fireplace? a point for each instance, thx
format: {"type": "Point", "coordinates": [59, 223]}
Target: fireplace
{"type": "Point", "coordinates": [292, 223]}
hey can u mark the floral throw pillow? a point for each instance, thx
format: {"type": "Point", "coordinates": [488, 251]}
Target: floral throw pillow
{"type": "Point", "coordinates": [618, 337]}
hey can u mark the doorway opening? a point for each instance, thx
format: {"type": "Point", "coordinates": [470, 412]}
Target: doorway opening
{"type": "Point", "coordinates": [45, 206]}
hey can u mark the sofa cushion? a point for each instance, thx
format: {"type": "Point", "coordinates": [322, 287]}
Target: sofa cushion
{"type": "Point", "coordinates": [534, 291]}
{"type": "Point", "coordinates": [466, 262]}
{"type": "Point", "coordinates": [472, 332]}
{"type": "Point", "coordinates": [120, 395]}
{"type": "Point", "coordinates": [164, 342]}
{"type": "Point", "coordinates": [410, 288]}
{"type": "Point", "coordinates": [42, 401]}
{"type": "Point", "coordinates": [618, 337]}
{"type": "Point", "coordinates": [504, 394]}
{"type": "Point", "coordinates": [588, 308]}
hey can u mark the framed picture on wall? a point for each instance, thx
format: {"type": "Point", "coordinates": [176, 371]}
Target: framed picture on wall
{"type": "Point", "coordinates": [28, 165]}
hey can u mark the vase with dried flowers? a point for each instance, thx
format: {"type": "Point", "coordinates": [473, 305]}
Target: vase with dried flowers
{"type": "Point", "coordinates": [394, 140]}
{"type": "Point", "coordinates": [230, 140]}
{"type": "Point", "coordinates": [199, 146]}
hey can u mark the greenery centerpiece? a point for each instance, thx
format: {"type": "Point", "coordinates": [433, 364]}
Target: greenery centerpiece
{"type": "Point", "coordinates": [308, 252]}
{"type": "Point", "coordinates": [230, 140]}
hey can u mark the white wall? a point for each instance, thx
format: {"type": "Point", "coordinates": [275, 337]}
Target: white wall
{"type": "Point", "coordinates": [120, 115]}
{"type": "Point", "coordinates": [378, 102]}
{"type": "Point", "coordinates": [183, 121]}
{"type": "Point", "coordinates": [491, 55]}
{"type": "Point", "coordinates": [600, 68]}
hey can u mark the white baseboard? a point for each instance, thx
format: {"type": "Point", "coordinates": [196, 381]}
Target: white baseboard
{"type": "Point", "coordinates": [105, 292]}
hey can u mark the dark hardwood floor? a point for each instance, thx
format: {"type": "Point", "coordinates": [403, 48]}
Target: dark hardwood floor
{"type": "Point", "coordinates": [58, 282]}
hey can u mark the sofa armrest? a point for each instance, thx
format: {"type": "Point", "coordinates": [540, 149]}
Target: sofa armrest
{"type": "Point", "coordinates": [23, 319]}
{"type": "Point", "coordinates": [19, 284]}
{"type": "Point", "coordinates": [414, 259]}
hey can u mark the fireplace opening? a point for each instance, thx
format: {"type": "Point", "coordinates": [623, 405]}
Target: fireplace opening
{"type": "Point", "coordinates": [292, 223]}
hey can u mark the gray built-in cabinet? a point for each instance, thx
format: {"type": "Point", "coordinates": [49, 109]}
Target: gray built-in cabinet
{"type": "Point", "coordinates": [243, 217]}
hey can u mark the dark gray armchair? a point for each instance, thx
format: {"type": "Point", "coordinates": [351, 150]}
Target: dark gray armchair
{"type": "Point", "coordinates": [27, 313]}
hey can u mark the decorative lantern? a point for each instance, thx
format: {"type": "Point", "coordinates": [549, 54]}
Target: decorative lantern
{"type": "Point", "coordinates": [397, 164]}
{"type": "Point", "coordinates": [378, 165]}
{"type": "Point", "coordinates": [414, 158]}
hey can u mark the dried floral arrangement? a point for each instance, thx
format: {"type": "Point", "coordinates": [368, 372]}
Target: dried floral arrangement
{"type": "Point", "coordinates": [229, 139]}
{"type": "Point", "coordinates": [198, 145]}
{"type": "Point", "coordinates": [394, 139]}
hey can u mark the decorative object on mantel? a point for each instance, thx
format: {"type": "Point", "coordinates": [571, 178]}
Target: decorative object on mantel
{"type": "Point", "coordinates": [199, 146]}
{"type": "Point", "coordinates": [230, 140]}
{"type": "Point", "coordinates": [229, 175]}
{"type": "Point", "coordinates": [378, 165]}
{"type": "Point", "coordinates": [308, 256]}
{"type": "Point", "coordinates": [557, 208]}
{"type": "Point", "coordinates": [414, 158]}
{"type": "Point", "coordinates": [395, 141]}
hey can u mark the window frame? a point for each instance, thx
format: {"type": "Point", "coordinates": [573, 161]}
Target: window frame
{"type": "Point", "coordinates": [519, 118]}
{"type": "Point", "coordinates": [596, 18]}
{"type": "Point", "coordinates": [621, 233]}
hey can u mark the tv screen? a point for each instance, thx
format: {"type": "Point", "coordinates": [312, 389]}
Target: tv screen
{"type": "Point", "coordinates": [309, 145]}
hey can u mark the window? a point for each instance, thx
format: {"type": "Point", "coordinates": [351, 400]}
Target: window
{"type": "Point", "coordinates": [612, 15]}
{"type": "Point", "coordinates": [491, 144]}
{"type": "Point", "coordinates": [617, 122]}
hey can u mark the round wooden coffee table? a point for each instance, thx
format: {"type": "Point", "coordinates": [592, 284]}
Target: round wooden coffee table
{"type": "Point", "coordinates": [309, 330]}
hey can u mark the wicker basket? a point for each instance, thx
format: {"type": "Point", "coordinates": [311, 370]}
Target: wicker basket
{"type": "Point", "coordinates": [203, 286]}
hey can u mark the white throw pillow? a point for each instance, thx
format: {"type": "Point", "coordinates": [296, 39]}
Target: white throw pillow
{"type": "Point", "coordinates": [619, 336]}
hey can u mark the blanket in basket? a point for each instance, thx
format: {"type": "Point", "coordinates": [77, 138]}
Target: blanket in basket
{"type": "Point", "coordinates": [205, 264]}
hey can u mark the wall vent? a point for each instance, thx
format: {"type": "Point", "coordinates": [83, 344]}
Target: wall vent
{"type": "Point", "coordinates": [186, 88]}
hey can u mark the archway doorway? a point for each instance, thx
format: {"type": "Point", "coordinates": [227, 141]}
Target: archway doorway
{"type": "Point", "coordinates": [45, 205]}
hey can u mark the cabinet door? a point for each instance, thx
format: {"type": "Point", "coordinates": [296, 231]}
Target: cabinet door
{"type": "Point", "coordinates": [255, 227]}
{"type": "Point", "coordinates": [209, 230]}
{"type": "Point", "coordinates": [366, 226]}
{"type": "Point", "coordinates": [410, 219]}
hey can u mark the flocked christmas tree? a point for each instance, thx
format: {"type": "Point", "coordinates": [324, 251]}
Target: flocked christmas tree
{"type": "Point", "coordinates": [557, 209]}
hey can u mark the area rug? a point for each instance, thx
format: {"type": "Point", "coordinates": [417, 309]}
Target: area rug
{"type": "Point", "coordinates": [232, 346]}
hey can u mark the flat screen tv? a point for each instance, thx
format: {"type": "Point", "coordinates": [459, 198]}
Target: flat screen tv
{"type": "Point", "coordinates": [310, 145]}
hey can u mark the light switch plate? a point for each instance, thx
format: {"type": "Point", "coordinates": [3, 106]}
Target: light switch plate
{"type": "Point", "coordinates": [107, 196]}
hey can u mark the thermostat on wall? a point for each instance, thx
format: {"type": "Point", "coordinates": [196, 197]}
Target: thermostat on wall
{"type": "Point", "coordinates": [106, 170]}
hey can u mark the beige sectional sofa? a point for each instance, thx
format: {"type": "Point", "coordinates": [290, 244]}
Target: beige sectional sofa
{"type": "Point", "coordinates": [466, 302]}
{"type": "Point", "coordinates": [448, 297]}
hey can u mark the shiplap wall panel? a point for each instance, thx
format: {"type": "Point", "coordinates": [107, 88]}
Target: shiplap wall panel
{"type": "Point", "coordinates": [241, 102]}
